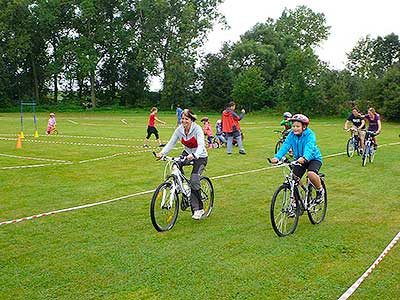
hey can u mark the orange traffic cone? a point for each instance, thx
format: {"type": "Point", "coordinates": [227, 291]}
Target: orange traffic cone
{"type": "Point", "coordinates": [19, 142]}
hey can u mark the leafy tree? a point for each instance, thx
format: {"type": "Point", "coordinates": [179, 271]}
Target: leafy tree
{"type": "Point", "coordinates": [217, 82]}
{"type": "Point", "coordinates": [173, 31]}
{"type": "Point", "coordinates": [373, 57]}
{"type": "Point", "coordinates": [249, 89]}
{"type": "Point", "coordinates": [305, 27]}
{"type": "Point", "coordinates": [298, 88]}
{"type": "Point", "coordinates": [390, 93]}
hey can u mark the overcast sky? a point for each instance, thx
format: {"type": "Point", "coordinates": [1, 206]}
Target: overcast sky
{"type": "Point", "coordinates": [350, 20]}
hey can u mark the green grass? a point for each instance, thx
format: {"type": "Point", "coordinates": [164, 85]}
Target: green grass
{"type": "Point", "coordinates": [113, 252]}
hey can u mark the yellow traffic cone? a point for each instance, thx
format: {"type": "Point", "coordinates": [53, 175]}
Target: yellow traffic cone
{"type": "Point", "coordinates": [19, 142]}
{"type": "Point", "coordinates": [36, 135]}
{"type": "Point", "coordinates": [22, 135]}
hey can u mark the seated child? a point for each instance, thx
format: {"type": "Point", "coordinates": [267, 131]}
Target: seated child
{"type": "Point", "coordinates": [219, 133]}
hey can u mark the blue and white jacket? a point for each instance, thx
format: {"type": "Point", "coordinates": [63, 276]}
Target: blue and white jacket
{"type": "Point", "coordinates": [303, 145]}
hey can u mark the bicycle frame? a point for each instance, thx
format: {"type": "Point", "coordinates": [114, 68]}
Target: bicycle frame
{"type": "Point", "coordinates": [172, 169]}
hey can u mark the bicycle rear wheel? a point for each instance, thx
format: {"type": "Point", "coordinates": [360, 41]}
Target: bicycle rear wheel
{"type": "Point", "coordinates": [164, 207]}
{"type": "Point", "coordinates": [207, 195]}
{"type": "Point", "coordinates": [284, 212]}
{"type": "Point", "coordinates": [350, 148]}
{"type": "Point", "coordinates": [371, 154]}
{"type": "Point", "coordinates": [317, 212]}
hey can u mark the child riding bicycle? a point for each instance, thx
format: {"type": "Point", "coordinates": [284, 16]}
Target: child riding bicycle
{"type": "Point", "coordinates": [302, 141]}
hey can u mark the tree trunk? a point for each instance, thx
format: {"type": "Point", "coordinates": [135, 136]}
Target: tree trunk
{"type": "Point", "coordinates": [93, 88]}
{"type": "Point", "coordinates": [35, 79]}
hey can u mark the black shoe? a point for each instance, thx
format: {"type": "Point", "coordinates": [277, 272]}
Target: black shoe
{"type": "Point", "coordinates": [242, 152]}
{"type": "Point", "coordinates": [161, 145]}
{"type": "Point", "coordinates": [320, 196]}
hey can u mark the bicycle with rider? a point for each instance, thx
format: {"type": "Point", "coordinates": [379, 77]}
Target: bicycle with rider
{"type": "Point", "coordinates": [358, 124]}
{"type": "Point", "coordinates": [374, 123]}
{"type": "Point", "coordinates": [192, 138]}
{"type": "Point", "coordinates": [302, 141]}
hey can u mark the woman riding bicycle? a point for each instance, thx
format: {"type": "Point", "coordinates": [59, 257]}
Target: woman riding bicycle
{"type": "Point", "coordinates": [305, 150]}
{"type": "Point", "coordinates": [374, 123]}
{"type": "Point", "coordinates": [192, 137]}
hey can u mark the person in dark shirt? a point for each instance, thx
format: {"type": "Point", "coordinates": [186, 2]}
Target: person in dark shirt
{"type": "Point", "coordinates": [358, 123]}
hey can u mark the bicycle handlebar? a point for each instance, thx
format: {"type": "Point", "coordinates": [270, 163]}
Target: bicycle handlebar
{"type": "Point", "coordinates": [285, 160]}
{"type": "Point", "coordinates": [169, 158]}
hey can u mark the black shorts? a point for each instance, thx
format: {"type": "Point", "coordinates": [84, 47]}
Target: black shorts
{"type": "Point", "coordinates": [152, 130]}
{"type": "Point", "coordinates": [312, 165]}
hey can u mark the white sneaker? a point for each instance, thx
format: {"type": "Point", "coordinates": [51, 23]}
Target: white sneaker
{"type": "Point", "coordinates": [198, 214]}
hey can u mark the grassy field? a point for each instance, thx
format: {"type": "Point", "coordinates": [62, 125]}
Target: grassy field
{"type": "Point", "coordinates": [111, 251]}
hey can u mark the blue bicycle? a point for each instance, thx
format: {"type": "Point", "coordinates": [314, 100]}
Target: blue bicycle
{"type": "Point", "coordinates": [369, 148]}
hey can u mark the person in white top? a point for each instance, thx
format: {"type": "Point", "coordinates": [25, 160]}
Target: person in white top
{"type": "Point", "coordinates": [192, 138]}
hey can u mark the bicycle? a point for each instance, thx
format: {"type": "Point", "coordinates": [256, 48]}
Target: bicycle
{"type": "Point", "coordinates": [354, 143]}
{"type": "Point", "coordinates": [289, 202]}
{"type": "Point", "coordinates": [282, 138]}
{"type": "Point", "coordinates": [165, 204]}
{"type": "Point", "coordinates": [369, 148]}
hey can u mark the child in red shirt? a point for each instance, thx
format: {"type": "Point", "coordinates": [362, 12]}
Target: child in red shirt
{"type": "Point", "coordinates": [151, 129]}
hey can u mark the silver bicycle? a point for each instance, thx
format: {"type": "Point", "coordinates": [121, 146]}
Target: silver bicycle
{"type": "Point", "coordinates": [174, 192]}
{"type": "Point", "coordinates": [292, 198]}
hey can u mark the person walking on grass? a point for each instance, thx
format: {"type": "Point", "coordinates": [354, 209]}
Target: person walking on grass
{"type": "Point", "coordinates": [178, 114]}
{"type": "Point", "coordinates": [151, 129]}
{"type": "Point", "coordinates": [191, 135]}
{"type": "Point", "coordinates": [231, 127]}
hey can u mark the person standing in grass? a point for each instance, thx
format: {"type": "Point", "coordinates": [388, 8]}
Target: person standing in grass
{"type": "Point", "coordinates": [151, 129]}
{"type": "Point", "coordinates": [231, 127]}
{"type": "Point", "coordinates": [178, 114]}
{"type": "Point", "coordinates": [192, 138]}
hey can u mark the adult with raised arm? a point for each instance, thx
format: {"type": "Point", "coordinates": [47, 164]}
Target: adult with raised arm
{"type": "Point", "coordinates": [192, 138]}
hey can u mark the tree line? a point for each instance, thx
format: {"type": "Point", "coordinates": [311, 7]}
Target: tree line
{"type": "Point", "coordinates": [104, 52]}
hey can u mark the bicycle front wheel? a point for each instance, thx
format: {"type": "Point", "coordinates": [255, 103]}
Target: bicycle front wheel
{"type": "Point", "coordinates": [284, 212]}
{"type": "Point", "coordinates": [365, 155]}
{"type": "Point", "coordinates": [207, 195]}
{"type": "Point", "coordinates": [350, 147]}
{"type": "Point", "coordinates": [317, 211]}
{"type": "Point", "coordinates": [164, 207]}
{"type": "Point", "coordinates": [278, 146]}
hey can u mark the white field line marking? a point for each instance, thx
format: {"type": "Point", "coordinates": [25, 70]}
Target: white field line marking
{"type": "Point", "coordinates": [75, 143]}
{"type": "Point", "coordinates": [113, 155]}
{"type": "Point", "coordinates": [73, 122]}
{"type": "Point", "coordinates": [83, 137]}
{"type": "Point", "coordinates": [33, 158]}
{"type": "Point", "coordinates": [351, 290]}
{"type": "Point", "coordinates": [73, 208]}
{"type": "Point", "coordinates": [35, 166]}
{"type": "Point", "coordinates": [141, 193]}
